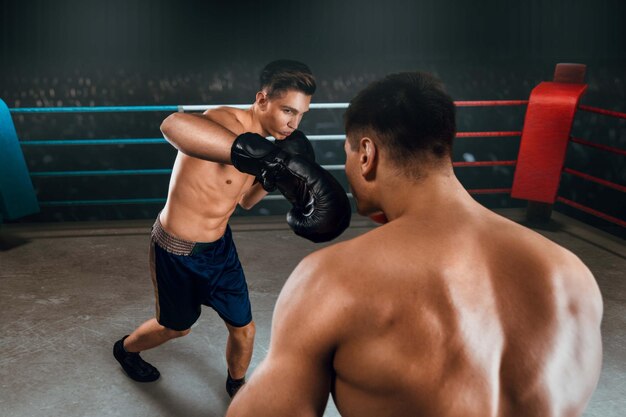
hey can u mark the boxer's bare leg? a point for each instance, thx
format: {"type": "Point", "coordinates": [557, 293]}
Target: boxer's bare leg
{"type": "Point", "coordinates": [239, 348]}
{"type": "Point", "coordinates": [149, 335]}
{"type": "Point", "coordinates": [126, 350]}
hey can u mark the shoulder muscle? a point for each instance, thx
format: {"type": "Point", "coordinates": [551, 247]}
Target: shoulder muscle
{"type": "Point", "coordinates": [228, 117]}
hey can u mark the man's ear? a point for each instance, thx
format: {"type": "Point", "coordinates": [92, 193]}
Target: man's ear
{"type": "Point", "coordinates": [261, 100]}
{"type": "Point", "coordinates": [368, 158]}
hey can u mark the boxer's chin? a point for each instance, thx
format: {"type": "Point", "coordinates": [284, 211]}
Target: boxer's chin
{"type": "Point", "coordinates": [281, 135]}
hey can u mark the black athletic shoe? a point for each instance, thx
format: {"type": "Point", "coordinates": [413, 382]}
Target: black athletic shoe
{"type": "Point", "coordinates": [135, 367]}
{"type": "Point", "coordinates": [233, 385]}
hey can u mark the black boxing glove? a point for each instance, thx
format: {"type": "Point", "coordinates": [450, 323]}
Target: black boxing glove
{"type": "Point", "coordinates": [297, 144]}
{"type": "Point", "coordinates": [321, 210]}
{"type": "Point", "coordinates": [250, 152]}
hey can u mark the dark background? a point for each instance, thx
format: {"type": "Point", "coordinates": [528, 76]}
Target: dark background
{"type": "Point", "coordinates": [141, 52]}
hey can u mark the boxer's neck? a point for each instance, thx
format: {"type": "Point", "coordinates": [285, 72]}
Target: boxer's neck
{"type": "Point", "coordinates": [436, 193]}
{"type": "Point", "coordinates": [256, 126]}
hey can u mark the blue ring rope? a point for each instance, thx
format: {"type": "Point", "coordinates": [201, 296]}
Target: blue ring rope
{"type": "Point", "coordinates": [137, 141]}
{"type": "Point", "coordinates": [271, 197]}
{"type": "Point", "coordinates": [101, 173]}
{"type": "Point", "coordinates": [170, 108]}
{"type": "Point", "coordinates": [115, 172]}
{"type": "Point", "coordinates": [95, 109]}
{"type": "Point", "coordinates": [64, 142]}
{"type": "Point", "coordinates": [102, 202]}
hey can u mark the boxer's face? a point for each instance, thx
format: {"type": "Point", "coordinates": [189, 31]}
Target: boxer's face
{"type": "Point", "coordinates": [281, 115]}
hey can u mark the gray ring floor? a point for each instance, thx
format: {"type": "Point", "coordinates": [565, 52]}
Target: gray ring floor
{"type": "Point", "coordinates": [68, 291]}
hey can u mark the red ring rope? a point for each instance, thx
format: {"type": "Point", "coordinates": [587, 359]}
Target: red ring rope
{"type": "Point", "coordinates": [591, 211]}
{"type": "Point", "coordinates": [489, 191]}
{"type": "Point", "coordinates": [486, 134]}
{"type": "Point", "coordinates": [563, 200]}
{"type": "Point", "coordinates": [598, 110]}
{"type": "Point", "coordinates": [595, 179]}
{"type": "Point", "coordinates": [487, 103]}
{"type": "Point", "coordinates": [484, 163]}
{"type": "Point", "coordinates": [599, 146]}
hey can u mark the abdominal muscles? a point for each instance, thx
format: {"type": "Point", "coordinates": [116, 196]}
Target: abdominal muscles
{"type": "Point", "coordinates": [202, 196]}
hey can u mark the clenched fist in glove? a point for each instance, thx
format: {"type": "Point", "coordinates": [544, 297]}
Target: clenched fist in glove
{"type": "Point", "coordinates": [321, 210]}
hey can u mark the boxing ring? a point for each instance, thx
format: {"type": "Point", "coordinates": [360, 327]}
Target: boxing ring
{"type": "Point", "coordinates": [545, 136]}
{"type": "Point", "coordinates": [69, 293]}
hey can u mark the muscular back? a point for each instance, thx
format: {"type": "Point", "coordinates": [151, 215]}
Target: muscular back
{"type": "Point", "coordinates": [476, 318]}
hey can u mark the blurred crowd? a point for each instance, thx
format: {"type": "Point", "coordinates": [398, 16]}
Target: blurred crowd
{"type": "Point", "coordinates": [237, 84]}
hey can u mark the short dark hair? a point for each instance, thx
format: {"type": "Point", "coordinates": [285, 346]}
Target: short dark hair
{"type": "Point", "coordinates": [410, 114]}
{"type": "Point", "coordinates": [285, 74]}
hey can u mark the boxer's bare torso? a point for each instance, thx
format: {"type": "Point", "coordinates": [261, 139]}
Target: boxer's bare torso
{"type": "Point", "coordinates": [202, 194]}
{"type": "Point", "coordinates": [204, 188]}
{"type": "Point", "coordinates": [447, 310]}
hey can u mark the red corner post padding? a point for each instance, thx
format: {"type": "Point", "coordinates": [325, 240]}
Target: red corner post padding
{"type": "Point", "coordinates": [545, 135]}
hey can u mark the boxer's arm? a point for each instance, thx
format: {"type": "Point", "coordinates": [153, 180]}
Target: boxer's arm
{"type": "Point", "coordinates": [198, 136]}
{"type": "Point", "coordinates": [295, 377]}
{"type": "Point", "coordinates": [252, 196]}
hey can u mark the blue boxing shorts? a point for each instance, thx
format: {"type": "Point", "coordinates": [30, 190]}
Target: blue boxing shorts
{"type": "Point", "coordinates": [189, 274]}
